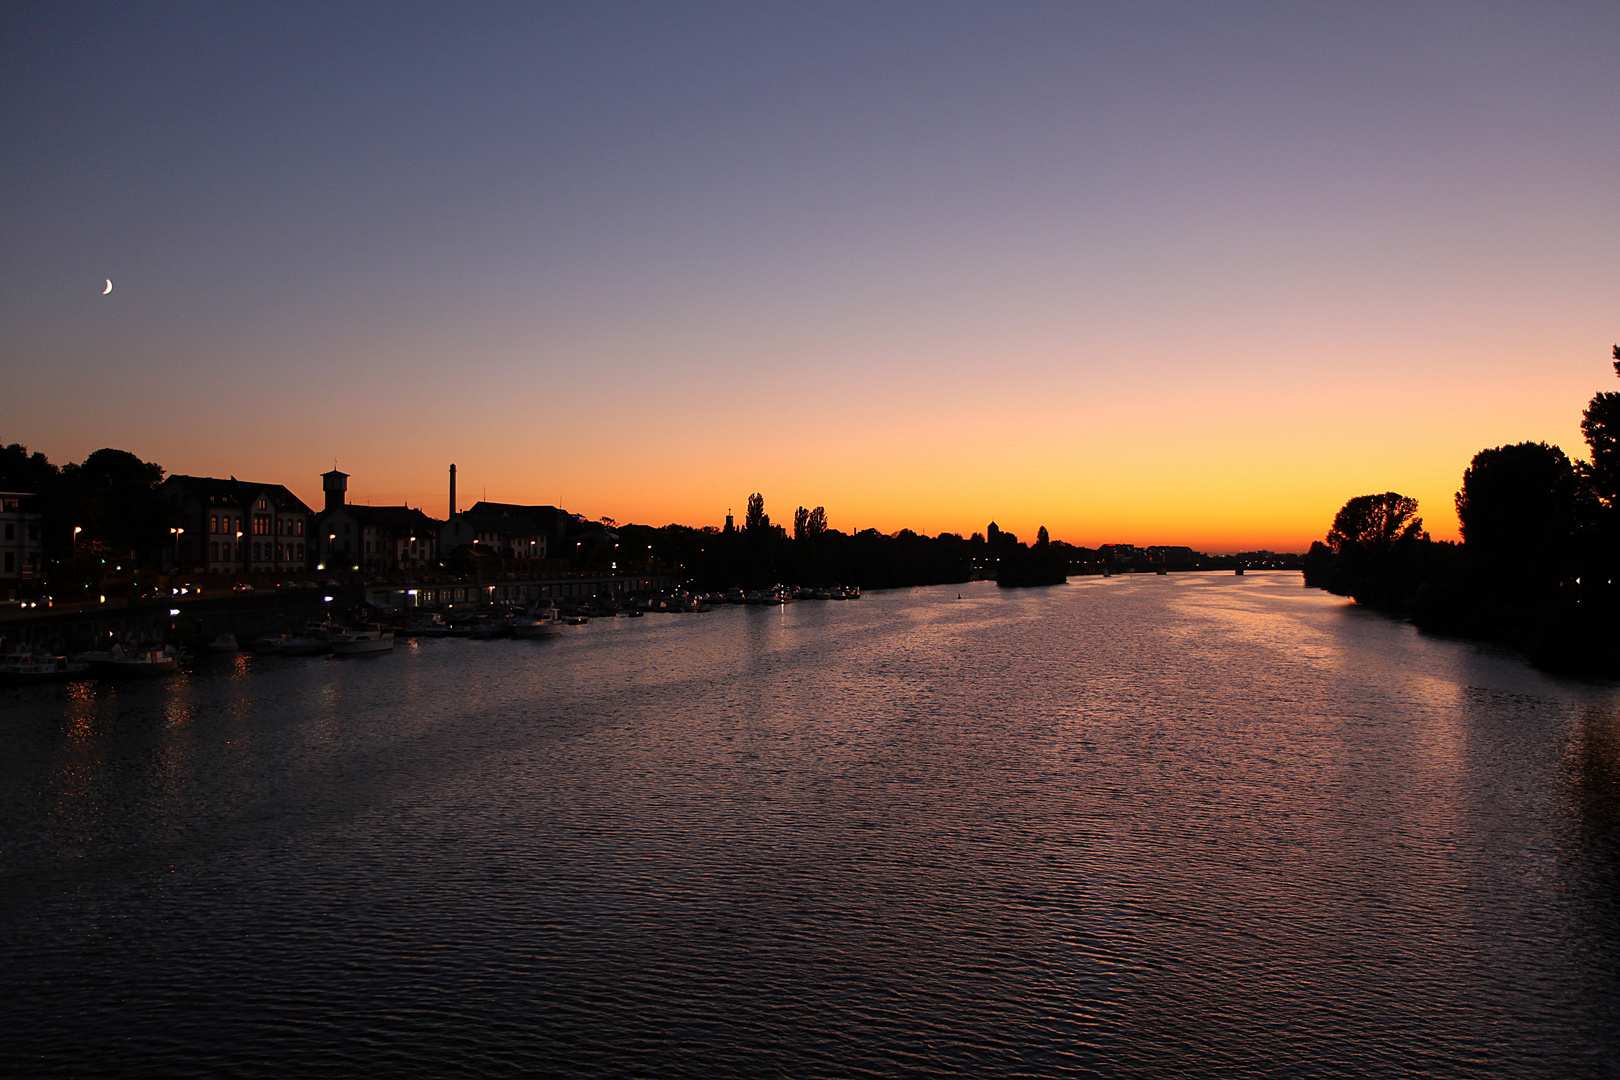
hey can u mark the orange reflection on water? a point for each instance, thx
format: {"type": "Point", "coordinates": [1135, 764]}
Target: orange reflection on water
{"type": "Point", "coordinates": [78, 719]}
{"type": "Point", "coordinates": [79, 781]}
{"type": "Point", "coordinates": [176, 751]}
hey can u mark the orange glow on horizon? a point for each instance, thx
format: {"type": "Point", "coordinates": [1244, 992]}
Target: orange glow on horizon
{"type": "Point", "coordinates": [1218, 467]}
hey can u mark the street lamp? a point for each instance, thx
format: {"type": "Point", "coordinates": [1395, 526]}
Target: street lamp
{"type": "Point", "coordinates": [77, 529]}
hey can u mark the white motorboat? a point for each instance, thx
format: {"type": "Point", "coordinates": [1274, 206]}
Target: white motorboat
{"type": "Point", "coordinates": [538, 621]}
{"type": "Point", "coordinates": [225, 643]}
{"type": "Point", "coordinates": [361, 642]}
{"type": "Point", "coordinates": [139, 663]}
{"type": "Point", "coordinates": [29, 667]}
{"type": "Point", "coordinates": [305, 645]}
{"type": "Point", "coordinates": [311, 641]}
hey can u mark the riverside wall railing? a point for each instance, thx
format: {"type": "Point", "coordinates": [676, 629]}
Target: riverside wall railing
{"type": "Point", "coordinates": [194, 619]}
{"type": "Point", "coordinates": [439, 593]}
{"type": "Point", "coordinates": [76, 627]}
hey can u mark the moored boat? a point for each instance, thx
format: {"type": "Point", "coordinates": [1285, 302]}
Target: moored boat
{"type": "Point", "coordinates": [305, 645]}
{"type": "Point", "coordinates": [310, 641]}
{"type": "Point", "coordinates": [361, 642]}
{"type": "Point", "coordinates": [538, 621]}
{"type": "Point", "coordinates": [486, 629]}
{"type": "Point", "coordinates": [224, 643]}
{"type": "Point", "coordinates": [138, 663]}
{"type": "Point", "coordinates": [271, 643]}
{"type": "Point", "coordinates": [429, 625]}
{"type": "Point", "coordinates": [30, 667]}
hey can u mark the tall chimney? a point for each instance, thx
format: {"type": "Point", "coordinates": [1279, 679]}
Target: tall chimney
{"type": "Point", "coordinates": [452, 491]}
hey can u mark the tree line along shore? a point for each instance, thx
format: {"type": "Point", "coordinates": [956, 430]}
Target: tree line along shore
{"type": "Point", "coordinates": [113, 526]}
{"type": "Point", "coordinates": [1538, 566]}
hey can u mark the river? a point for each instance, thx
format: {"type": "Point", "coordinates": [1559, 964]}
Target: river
{"type": "Point", "coordinates": [1130, 827]}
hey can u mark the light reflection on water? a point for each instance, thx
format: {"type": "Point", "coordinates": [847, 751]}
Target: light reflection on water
{"type": "Point", "coordinates": [1138, 826]}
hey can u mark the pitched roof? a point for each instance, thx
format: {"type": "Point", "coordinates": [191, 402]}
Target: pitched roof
{"type": "Point", "coordinates": [240, 492]}
{"type": "Point", "coordinates": [392, 519]}
{"type": "Point", "coordinates": [504, 524]}
{"type": "Point", "coordinates": [538, 513]}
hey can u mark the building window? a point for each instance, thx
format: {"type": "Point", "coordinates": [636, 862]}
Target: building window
{"type": "Point", "coordinates": [11, 561]}
{"type": "Point", "coordinates": [213, 551]}
{"type": "Point", "coordinates": [300, 551]}
{"type": "Point", "coordinates": [11, 531]}
{"type": "Point", "coordinates": [300, 524]}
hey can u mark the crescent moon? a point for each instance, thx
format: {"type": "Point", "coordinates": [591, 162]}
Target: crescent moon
{"type": "Point", "coordinates": [108, 289]}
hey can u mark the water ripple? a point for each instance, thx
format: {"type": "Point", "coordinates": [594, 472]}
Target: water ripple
{"type": "Point", "coordinates": [1138, 827]}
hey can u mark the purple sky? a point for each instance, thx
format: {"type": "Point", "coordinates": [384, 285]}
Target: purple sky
{"type": "Point", "coordinates": [1149, 273]}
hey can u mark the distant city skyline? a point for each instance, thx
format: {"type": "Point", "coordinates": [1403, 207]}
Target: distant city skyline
{"type": "Point", "coordinates": [1152, 275]}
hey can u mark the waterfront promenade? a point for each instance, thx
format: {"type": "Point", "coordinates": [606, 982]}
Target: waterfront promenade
{"type": "Point", "coordinates": [199, 614]}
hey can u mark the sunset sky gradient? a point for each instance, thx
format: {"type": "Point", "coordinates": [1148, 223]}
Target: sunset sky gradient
{"type": "Point", "coordinates": [1156, 274]}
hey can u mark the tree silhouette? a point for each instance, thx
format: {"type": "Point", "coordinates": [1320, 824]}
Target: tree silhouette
{"type": "Point", "coordinates": [1539, 565]}
{"type": "Point", "coordinates": [756, 521]}
{"type": "Point", "coordinates": [1517, 507]}
{"type": "Point", "coordinates": [1372, 524]}
{"type": "Point", "coordinates": [1374, 541]}
{"type": "Point", "coordinates": [20, 471]}
{"type": "Point", "coordinates": [113, 495]}
{"type": "Point", "coordinates": [1600, 424]}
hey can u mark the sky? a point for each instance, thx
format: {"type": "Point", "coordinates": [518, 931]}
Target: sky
{"type": "Point", "coordinates": [1140, 273]}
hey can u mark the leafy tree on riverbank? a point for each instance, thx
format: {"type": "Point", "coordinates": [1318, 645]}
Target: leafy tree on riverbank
{"type": "Point", "coordinates": [1045, 563]}
{"type": "Point", "coordinates": [1537, 565]}
{"type": "Point", "coordinates": [1600, 425]}
{"type": "Point", "coordinates": [1375, 542]}
{"type": "Point", "coordinates": [1517, 511]}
